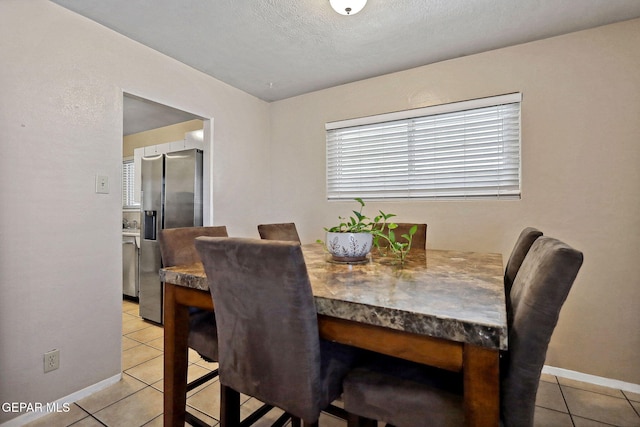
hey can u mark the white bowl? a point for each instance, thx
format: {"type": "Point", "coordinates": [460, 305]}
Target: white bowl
{"type": "Point", "coordinates": [348, 247]}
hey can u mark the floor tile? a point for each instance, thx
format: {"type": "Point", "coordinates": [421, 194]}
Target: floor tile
{"type": "Point", "coordinates": [75, 414]}
{"type": "Point", "coordinates": [207, 365]}
{"type": "Point", "coordinates": [130, 307]}
{"type": "Point", "coordinates": [157, 343]}
{"type": "Point", "coordinates": [103, 398]}
{"type": "Point", "coordinates": [600, 407]}
{"type": "Point", "coordinates": [88, 422]}
{"type": "Point", "coordinates": [584, 422]}
{"type": "Point", "coordinates": [634, 397]}
{"type": "Point", "coordinates": [250, 405]}
{"type": "Point", "coordinates": [159, 422]}
{"type": "Point", "coordinates": [193, 373]}
{"type": "Point", "coordinates": [548, 378]}
{"type": "Point", "coordinates": [207, 400]}
{"type": "Point", "coordinates": [544, 417]}
{"type": "Point", "coordinates": [150, 371]}
{"type": "Point", "coordinates": [146, 334]}
{"type": "Point", "coordinates": [137, 355]}
{"type": "Point", "coordinates": [196, 371]}
{"type": "Point", "coordinates": [203, 417]}
{"type": "Point", "coordinates": [194, 357]}
{"type": "Point", "coordinates": [549, 396]}
{"type": "Point", "coordinates": [636, 406]}
{"type": "Point", "coordinates": [327, 420]}
{"type": "Point", "coordinates": [134, 324]}
{"type": "Point", "coordinates": [590, 387]}
{"type": "Point", "coordinates": [128, 343]}
{"type": "Point", "coordinates": [128, 316]}
{"type": "Point", "coordinates": [135, 410]}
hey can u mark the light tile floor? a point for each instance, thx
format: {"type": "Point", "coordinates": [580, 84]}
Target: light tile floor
{"type": "Point", "coordinates": [137, 399]}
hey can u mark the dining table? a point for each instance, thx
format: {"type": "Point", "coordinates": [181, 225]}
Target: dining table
{"type": "Point", "coordinates": [443, 308]}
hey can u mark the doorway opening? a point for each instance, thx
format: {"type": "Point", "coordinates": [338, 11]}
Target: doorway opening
{"type": "Point", "coordinates": [149, 126]}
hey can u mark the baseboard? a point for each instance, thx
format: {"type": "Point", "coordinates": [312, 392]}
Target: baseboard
{"type": "Point", "coordinates": [60, 404]}
{"type": "Point", "coordinates": [591, 379]}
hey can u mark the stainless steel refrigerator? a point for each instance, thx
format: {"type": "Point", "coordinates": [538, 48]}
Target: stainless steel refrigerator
{"type": "Point", "coordinates": [171, 198]}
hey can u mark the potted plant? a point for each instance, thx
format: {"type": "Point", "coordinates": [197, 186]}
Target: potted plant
{"type": "Point", "coordinates": [352, 239]}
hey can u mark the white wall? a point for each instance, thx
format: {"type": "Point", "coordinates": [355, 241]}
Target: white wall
{"type": "Point", "coordinates": [61, 85]}
{"type": "Point", "coordinates": [580, 173]}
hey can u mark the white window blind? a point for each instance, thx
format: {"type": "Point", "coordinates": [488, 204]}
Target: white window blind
{"type": "Point", "coordinates": [468, 149]}
{"type": "Point", "coordinates": [128, 174]}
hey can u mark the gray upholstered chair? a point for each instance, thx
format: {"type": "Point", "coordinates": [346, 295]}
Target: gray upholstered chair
{"type": "Point", "coordinates": [419, 239]}
{"type": "Point", "coordinates": [518, 253]}
{"type": "Point", "coordinates": [286, 231]}
{"type": "Point", "coordinates": [409, 395]}
{"type": "Point", "coordinates": [268, 336]}
{"type": "Point", "coordinates": [177, 247]}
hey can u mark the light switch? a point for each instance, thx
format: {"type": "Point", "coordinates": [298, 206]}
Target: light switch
{"type": "Point", "coordinates": [102, 184]}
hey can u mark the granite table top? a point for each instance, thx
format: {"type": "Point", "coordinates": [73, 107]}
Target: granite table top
{"type": "Point", "coordinates": [453, 295]}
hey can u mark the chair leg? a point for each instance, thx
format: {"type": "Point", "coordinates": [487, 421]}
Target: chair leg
{"type": "Point", "coordinates": [229, 407]}
{"type": "Point", "coordinates": [354, 420]}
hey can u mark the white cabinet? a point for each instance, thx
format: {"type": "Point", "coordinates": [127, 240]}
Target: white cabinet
{"type": "Point", "coordinates": [191, 140]}
{"type": "Point", "coordinates": [177, 145]}
{"type": "Point", "coordinates": [151, 150]}
{"type": "Point", "coordinates": [194, 139]}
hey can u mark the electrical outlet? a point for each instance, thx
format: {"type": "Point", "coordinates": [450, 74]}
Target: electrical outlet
{"type": "Point", "coordinates": [51, 360]}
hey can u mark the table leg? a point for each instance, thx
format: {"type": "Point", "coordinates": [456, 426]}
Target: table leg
{"type": "Point", "coordinates": [176, 333]}
{"type": "Point", "coordinates": [481, 370]}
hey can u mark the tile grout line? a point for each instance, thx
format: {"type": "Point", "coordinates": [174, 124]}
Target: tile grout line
{"type": "Point", "coordinates": [629, 402]}
{"type": "Point", "coordinates": [566, 405]}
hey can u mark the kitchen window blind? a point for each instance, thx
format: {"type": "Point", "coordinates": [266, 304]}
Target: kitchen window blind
{"type": "Point", "coordinates": [461, 150]}
{"type": "Point", "coordinates": [128, 174]}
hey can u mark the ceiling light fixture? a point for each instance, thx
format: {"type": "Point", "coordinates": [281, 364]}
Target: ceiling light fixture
{"type": "Point", "coordinates": [347, 7]}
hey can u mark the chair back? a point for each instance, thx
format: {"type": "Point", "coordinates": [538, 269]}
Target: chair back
{"type": "Point", "coordinates": [286, 231]}
{"type": "Point", "coordinates": [177, 245]}
{"type": "Point", "coordinates": [538, 293]}
{"type": "Point", "coordinates": [269, 345]}
{"type": "Point", "coordinates": [418, 241]}
{"type": "Point", "coordinates": [518, 253]}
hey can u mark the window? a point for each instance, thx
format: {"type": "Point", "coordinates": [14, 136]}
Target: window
{"type": "Point", "coordinates": [462, 150]}
{"type": "Point", "coordinates": [128, 176]}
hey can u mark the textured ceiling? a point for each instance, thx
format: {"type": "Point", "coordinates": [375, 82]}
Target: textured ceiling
{"type": "Point", "coordinates": [275, 49]}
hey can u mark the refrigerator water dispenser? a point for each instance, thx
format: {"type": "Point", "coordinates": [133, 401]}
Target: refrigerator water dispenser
{"type": "Point", "coordinates": [150, 228]}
